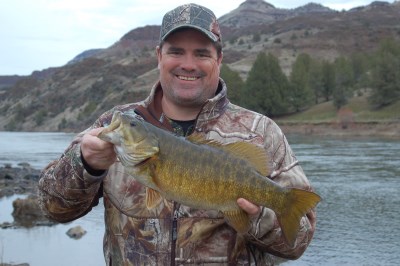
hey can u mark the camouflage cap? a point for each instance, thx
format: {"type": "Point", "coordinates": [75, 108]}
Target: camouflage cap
{"type": "Point", "coordinates": [191, 16]}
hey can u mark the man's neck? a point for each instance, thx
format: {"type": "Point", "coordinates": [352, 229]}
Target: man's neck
{"type": "Point", "coordinates": [180, 113]}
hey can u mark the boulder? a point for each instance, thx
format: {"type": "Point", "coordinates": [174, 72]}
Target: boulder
{"type": "Point", "coordinates": [27, 211]}
{"type": "Point", "coordinates": [76, 232]}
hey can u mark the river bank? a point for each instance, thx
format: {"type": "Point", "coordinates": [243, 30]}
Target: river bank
{"type": "Point", "coordinates": [390, 129]}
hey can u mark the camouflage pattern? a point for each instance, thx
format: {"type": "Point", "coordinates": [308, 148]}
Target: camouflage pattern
{"type": "Point", "coordinates": [172, 234]}
{"type": "Point", "coordinates": [191, 16]}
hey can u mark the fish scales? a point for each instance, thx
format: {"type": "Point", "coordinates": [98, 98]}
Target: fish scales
{"type": "Point", "coordinates": [204, 174]}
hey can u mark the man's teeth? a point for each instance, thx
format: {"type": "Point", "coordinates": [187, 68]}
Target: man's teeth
{"type": "Point", "coordinates": [187, 78]}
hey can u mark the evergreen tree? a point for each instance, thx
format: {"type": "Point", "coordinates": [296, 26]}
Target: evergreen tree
{"type": "Point", "coordinates": [386, 74]}
{"type": "Point", "coordinates": [301, 95]}
{"type": "Point", "coordinates": [360, 65]}
{"type": "Point", "coordinates": [315, 80]}
{"type": "Point", "coordinates": [328, 80]}
{"type": "Point", "coordinates": [267, 86]}
{"type": "Point", "coordinates": [344, 82]}
{"type": "Point", "coordinates": [234, 83]}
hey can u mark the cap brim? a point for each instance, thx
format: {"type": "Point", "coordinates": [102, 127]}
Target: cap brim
{"type": "Point", "coordinates": [209, 34]}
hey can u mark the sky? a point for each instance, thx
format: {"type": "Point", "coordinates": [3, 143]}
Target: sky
{"type": "Point", "coordinates": [39, 34]}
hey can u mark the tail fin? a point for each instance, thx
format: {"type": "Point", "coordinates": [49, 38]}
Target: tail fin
{"type": "Point", "coordinates": [299, 202]}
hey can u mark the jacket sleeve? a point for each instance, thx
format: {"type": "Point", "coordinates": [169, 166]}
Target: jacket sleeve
{"type": "Point", "coordinates": [66, 190]}
{"type": "Point", "coordinates": [266, 232]}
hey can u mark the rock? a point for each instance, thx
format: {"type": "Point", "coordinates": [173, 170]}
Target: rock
{"type": "Point", "coordinates": [76, 232]}
{"type": "Point", "coordinates": [24, 165]}
{"type": "Point", "coordinates": [18, 180]}
{"type": "Point", "coordinates": [6, 225]}
{"type": "Point", "coordinates": [27, 211]}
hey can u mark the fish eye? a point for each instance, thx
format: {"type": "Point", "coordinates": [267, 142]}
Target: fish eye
{"type": "Point", "coordinates": [133, 124]}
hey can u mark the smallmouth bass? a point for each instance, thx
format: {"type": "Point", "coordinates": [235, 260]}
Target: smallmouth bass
{"type": "Point", "coordinates": [204, 174]}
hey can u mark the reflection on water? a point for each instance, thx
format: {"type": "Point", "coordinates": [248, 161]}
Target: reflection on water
{"type": "Point", "coordinates": [358, 180]}
{"type": "Point", "coordinates": [49, 246]}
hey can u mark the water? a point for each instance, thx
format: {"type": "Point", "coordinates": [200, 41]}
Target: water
{"type": "Point", "coordinates": [358, 179]}
{"type": "Point", "coordinates": [38, 149]}
{"type": "Point", "coordinates": [46, 246]}
{"type": "Point", "coordinates": [358, 219]}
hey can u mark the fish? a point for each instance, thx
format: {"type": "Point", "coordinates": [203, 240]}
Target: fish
{"type": "Point", "coordinates": [205, 174]}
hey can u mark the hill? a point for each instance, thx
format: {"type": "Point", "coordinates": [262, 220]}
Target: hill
{"type": "Point", "coordinates": [354, 119]}
{"type": "Point", "coordinates": [70, 98]}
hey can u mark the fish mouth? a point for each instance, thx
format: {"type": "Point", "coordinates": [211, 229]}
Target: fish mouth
{"type": "Point", "coordinates": [107, 133]}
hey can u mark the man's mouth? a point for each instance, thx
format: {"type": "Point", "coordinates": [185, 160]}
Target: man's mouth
{"type": "Point", "coordinates": [187, 78]}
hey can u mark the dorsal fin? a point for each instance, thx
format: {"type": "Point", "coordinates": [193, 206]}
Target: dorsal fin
{"type": "Point", "coordinates": [255, 155]}
{"type": "Point", "coordinates": [198, 138]}
{"type": "Point", "coordinates": [252, 153]}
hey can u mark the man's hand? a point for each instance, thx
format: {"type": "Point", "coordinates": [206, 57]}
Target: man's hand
{"type": "Point", "coordinates": [250, 208]}
{"type": "Point", "coordinates": [98, 154]}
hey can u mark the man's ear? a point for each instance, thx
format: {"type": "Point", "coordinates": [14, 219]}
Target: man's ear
{"type": "Point", "coordinates": [220, 59]}
{"type": "Point", "coordinates": [159, 55]}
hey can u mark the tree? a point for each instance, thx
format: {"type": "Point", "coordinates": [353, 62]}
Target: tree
{"type": "Point", "coordinates": [386, 75]}
{"type": "Point", "coordinates": [234, 83]}
{"type": "Point", "coordinates": [327, 80]}
{"type": "Point", "coordinates": [344, 82]}
{"type": "Point", "coordinates": [301, 95]}
{"type": "Point", "coordinates": [267, 86]}
{"type": "Point", "coordinates": [315, 80]}
{"type": "Point", "coordinates": [360, 65]}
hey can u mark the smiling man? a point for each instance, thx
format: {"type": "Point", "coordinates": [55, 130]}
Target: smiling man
{"type": "Point", "coordinates": [190, 97]}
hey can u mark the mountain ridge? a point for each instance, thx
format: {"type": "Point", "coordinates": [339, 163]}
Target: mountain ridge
{"type": "Point", "coordinates": [69, 98]}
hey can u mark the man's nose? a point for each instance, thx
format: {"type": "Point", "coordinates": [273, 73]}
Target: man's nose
{"type": "Point", "coordinates": [188, 63]}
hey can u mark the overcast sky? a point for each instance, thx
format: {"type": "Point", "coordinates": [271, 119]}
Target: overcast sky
{"type": "Point", "coordinates": [48, 33]}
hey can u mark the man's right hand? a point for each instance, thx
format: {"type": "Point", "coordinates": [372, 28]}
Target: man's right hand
{"type": "Point", "coordinates": [98, 154]}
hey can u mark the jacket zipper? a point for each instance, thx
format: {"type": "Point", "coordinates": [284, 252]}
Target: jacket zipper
{"type": "Point", "coordinates": [174, 233]}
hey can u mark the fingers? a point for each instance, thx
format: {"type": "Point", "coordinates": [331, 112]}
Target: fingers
{"type": "Point", "coordinates": [95, 131]}
{"type": "Point", "coordinates": [249, 207]}
{"type": "Point", "coordinates": [100, 155]}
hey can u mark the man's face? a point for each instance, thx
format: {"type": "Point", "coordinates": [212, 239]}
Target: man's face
{"type": "Point", "coordinates": [189, 68]}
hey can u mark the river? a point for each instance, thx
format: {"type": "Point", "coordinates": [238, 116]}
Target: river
{"type": "Point", "coordinates": [358, 219]}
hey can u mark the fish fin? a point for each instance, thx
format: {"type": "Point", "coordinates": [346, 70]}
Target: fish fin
{"type": "Point", "coordinates": [198, 138]}
{"type": "Point", "coordinates": [153, 198]}
{"type": "Point", "coordinates": [299, 202]}
{"type": "Point", "coordinates": [255, 155]}
{"type": "Point", "coordinates": [238, 219]}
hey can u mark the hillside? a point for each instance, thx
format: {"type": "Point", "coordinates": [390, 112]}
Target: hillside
{"type": "Point", "coordinates": [70, 98]}
{"type": "Point", "coordinates": [354, 119]}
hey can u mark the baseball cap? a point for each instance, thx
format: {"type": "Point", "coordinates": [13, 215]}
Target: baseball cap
{"type": "Point", "coordinates": [191, 16]}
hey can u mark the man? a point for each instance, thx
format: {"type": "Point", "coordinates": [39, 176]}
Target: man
{"type": "Point", "coordinates": [189, 97]}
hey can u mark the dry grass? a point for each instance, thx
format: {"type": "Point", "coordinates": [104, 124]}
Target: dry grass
{"type": "Point", "coordinates": [357, 106]}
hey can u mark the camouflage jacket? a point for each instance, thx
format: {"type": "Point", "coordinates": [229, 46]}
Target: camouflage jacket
{"type": "Point", "coordinates": [174, 234]}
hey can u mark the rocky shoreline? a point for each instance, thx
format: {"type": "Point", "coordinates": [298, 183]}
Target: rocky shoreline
{"type": "Point", "coordinates": [22, 180]}
{"type": "Point", "coordinates": [18, 180]}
